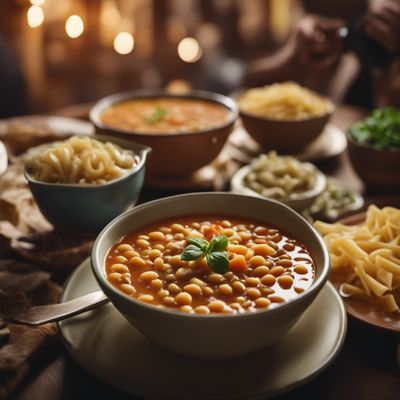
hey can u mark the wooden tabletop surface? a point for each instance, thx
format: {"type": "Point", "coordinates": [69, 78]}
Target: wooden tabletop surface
{"type": "Point", "coordinates": [366, 368]}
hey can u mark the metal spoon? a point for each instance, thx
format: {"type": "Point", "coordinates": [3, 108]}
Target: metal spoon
{"type": "Point", "coordinates": [38, 315]}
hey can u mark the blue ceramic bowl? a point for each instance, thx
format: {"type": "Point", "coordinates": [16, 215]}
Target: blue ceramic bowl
{"type": "Point", "coordinates": [90, 207]}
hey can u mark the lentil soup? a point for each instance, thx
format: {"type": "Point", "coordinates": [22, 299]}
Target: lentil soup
{"type": "Point", "coordinates": [266, 266]}
{"type": "Point", "coordinates": [165, 115]}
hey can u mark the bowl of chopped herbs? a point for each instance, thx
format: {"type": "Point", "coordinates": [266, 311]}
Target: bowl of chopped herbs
{"type": "Point", "coordinates": [374, 148]}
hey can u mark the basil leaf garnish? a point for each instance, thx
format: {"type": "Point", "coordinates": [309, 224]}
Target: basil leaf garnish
{"type": "Point", "coordinates": [216, 256]}
{"type": "Point", "coordinates": [191, 253]}
{"type": "Point", "coordinates": [218, 261]}
{"type": "Point", "coordinates": [199, 242]}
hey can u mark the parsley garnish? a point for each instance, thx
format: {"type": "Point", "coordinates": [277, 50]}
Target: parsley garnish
{"type": "Point", "coordinates": [157, 115]}
{"type": "Point", "coordinates": [380, 130]}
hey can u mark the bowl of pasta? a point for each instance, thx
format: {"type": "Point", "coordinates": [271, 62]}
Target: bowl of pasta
{"type": "Point", "coordinates": [284, 116]}
{"type": "Point", "coordinates": [282, 178]}
{"type": "Point", "coordinates": [83, 182]}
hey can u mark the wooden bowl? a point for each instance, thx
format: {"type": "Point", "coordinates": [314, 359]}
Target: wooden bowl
{"type": "Point", "coordinates": [173, 155]}
{"type": "Point", "coordinates": [377, 168]}
{"type": "Point", "coordinates": [284, 135]}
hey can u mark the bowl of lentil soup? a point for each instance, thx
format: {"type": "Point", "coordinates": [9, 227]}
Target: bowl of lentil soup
{"type": "Point", "coordinates": [185, 131]}
{"type": "Point", "coordinates": [211, 275]}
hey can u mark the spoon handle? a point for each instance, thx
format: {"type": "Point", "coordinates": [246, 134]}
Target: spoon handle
{"type": "Point", "coordinates": [38, 315]}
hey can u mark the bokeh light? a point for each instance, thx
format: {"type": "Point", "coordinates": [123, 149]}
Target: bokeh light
{"type": "Point", "coordinates": [189, 50]}
{"type": "Point", "coordinates": [124, 43]}
{"type": "Point", "coordinates": [35, 16]}
{"type": "Point", "coordinates": [74, 26]}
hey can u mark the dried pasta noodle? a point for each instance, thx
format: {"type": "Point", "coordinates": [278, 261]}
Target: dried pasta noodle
{"type": "Point", "coordinates": [368, 256]}
{"type": "Point", "coordinates": [81, 160]}
{"type": "Point", "coordinates": [285, 101]}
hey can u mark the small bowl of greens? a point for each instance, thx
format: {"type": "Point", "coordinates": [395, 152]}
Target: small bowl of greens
{"type": "Point", "coordinates": [374, 148]}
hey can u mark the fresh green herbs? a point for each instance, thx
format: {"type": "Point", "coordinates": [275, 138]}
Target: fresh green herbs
{"type": "Point", "coordinates": [157, 115]}
{"type": "Point", "coordinates": [380, 130]}
{"type": "Point", "coordinates": [214, 251]}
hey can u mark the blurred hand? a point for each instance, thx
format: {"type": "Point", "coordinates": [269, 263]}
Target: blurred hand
{"type": "Point", "coordinates": [317, 43]}
{"type": "Point", "coordinates": [382, 23]}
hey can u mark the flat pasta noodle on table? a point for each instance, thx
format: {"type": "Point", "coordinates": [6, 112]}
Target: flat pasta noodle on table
{"type": "Point", "coordinates": [368, 256]}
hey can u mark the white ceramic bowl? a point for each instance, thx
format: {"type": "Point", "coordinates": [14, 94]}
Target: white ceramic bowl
{"type": "Point", "coordinates": [297, 201]}
{"type": "Point", "coordinates": [212, 336]}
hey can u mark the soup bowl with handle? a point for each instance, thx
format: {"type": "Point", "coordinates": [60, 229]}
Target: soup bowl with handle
{"type": "Point", "coordinates": [89, 206]}
{"type": "Point", "coordinates": [173, 154]}
{"type": "Point", "coordinates": [214, 335]}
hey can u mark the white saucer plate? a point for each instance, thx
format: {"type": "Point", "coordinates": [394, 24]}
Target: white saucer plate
{"type": "Point", "coordinates": [105, 344]}
{"type": "Point", "coordinates": [330, 143]}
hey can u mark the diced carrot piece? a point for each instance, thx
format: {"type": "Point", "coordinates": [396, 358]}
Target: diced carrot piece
{"type": "Point", "coordinates": [214, 230]}
{"type": "Point", "coordinates": [238, 264]}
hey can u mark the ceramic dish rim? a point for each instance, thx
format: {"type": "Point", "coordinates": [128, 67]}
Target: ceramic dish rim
{"type": "Point", "coordinates": [213, 97]}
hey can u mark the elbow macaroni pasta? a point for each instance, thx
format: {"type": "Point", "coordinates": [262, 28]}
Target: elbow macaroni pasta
{"type": "Point", "coordinates": [368, 256]}
{"type": "Point", "coordinates": [280, 177]}
{"type": "Point", "coordinates": [81, 160]}
{"type": "Point", "coordinates": [284, 101]}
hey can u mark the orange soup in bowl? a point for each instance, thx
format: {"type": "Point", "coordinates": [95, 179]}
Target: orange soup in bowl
{"type": "Point", "coordinates": [172, 263]}
{"type": "Point", "coordinates": [165, 115]}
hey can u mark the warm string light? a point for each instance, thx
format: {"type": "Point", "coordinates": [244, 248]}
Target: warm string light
{"type": "Point", "coordinates": [124, 43]}
{"type": "Point", "coordinates": [35, 16]}
{"type": "Point", "coordinates": [74, 26]}
{"type": "Point", "coordinates": [189, 50]}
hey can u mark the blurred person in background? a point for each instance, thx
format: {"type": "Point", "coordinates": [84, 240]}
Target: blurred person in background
{"type": "Point", "coordinates": [12, 86]}
{"type": "Point", "coordinates": [314, 51]}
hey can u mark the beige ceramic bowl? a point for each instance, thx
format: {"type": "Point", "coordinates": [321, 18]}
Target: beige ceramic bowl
{"type": "Point", "coordinates": [297, 201]}
{"type": "Point", "coordinates": [176, 154]}
{"type": "Point", "coordinates": [211, 336]}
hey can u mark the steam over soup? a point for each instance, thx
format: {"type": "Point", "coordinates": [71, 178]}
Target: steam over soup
{"type": "Point", "coordinates": [173, 264]}
{"type": "Point", "coordinates": [165, 115]}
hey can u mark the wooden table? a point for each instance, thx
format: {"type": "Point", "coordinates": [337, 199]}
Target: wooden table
{"type": "Point", "coordinates": [366, 367]}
